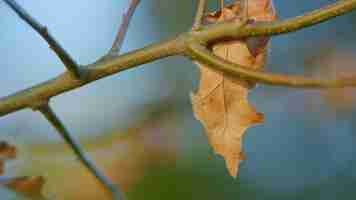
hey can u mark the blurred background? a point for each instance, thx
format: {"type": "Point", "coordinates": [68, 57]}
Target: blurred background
{"type": "Point", "coordinates": [139, 127]}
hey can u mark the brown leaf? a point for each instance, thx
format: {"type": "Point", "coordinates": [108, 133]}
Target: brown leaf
{"type": "Point", "coordinates": [28, 186]}
{"type": "Point", "coordinates": [220, 103]}
{"type": "Point", "coordinates": [7, 152]}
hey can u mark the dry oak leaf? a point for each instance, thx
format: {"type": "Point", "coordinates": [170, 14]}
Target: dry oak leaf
{"type": "Point", "coordinates": [7, 152]}
{"type": "Point", "coordinates": [27, 186]}
{"type": "Point", "coordinates": [220, 103]}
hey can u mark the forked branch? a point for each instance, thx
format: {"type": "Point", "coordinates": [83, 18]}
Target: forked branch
{"type": "Point", "coordinates": [73, 68]}
{"type": "Point", "coordinates": [176, 46]}
{"type": "Point", "coordinates": [231, 30]}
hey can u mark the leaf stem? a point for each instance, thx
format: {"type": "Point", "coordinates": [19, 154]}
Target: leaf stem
{"type": "Point", "coordinates": [199, 15]}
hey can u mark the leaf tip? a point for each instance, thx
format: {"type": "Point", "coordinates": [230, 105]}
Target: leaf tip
{"type": "Point", "coordinates": [232, 167]}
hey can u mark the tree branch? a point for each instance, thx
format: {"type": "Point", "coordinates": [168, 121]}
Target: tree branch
{"type": "Point", "coordinates": [231, 30]}
{"type": "Point", "coordinates": [126, 19]}
{"type": "Point", "coordinates": [50, 115]}
{"type": "Point", "coordinates": [66, 59]}
{"type": "Point", "coordinates": [64, 82]}
{"type": "Point", "coordinates": [203, 55]}
{"type": "Point", "coordinates": [181, 46]}
{"type": "Point", "coordinates": [199, 15]}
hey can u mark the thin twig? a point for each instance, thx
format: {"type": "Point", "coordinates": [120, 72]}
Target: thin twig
{"type": "Point", "coordinates": [66, 59]}
{"type": "Point", "coordinates": [245, 8]}
{"type": "Point", "coordinates": [203, 55]}
{"type": "Point", "coordinates": [222, 5]}
{"type": "Point", "coordinates": [199, 15]}
{"type": "Point", "coordinates": [121, 33]}
{"type": "Point", "coordinates": [51, 116]}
